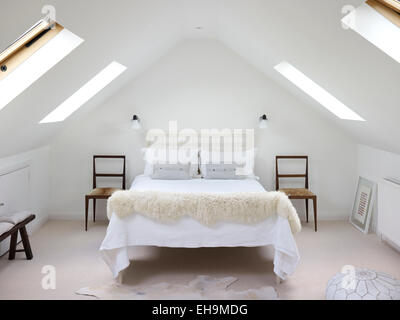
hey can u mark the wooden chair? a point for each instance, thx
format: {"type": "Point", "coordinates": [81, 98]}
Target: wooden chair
{"type": "Point", "coordinates": [297, 193]}
{"type": "Point", "coordinates": [13, 232]}
{"type": "Point", "coordinates": [102, 193]}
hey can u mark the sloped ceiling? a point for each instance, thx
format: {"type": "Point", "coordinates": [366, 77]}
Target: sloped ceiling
{"type": "Point", "coordinates": [137, 33]}
{"type": "Point", "coordinates": [134, 33]}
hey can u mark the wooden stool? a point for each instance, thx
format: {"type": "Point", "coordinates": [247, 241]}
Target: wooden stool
{"type": "Point", "coordinates": [13, 232]}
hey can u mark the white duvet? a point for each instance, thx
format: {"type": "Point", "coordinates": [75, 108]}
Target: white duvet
{"type": "Point", "coordinates": [138, 230]}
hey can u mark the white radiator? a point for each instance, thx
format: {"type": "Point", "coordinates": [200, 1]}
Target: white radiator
{"type": "Point", "coordinates": [389, 211]}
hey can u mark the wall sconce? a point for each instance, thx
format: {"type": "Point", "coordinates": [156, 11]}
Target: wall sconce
{"type": "Point", "coordinates": [136, 125]}
{"type": "Point", "coordinates": [263, 122]}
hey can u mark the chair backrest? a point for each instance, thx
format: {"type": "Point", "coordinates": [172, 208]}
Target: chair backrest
{"type": "Point", "coordinates": [108, 175]}
{"type": "Point", "coordinates": [290, 175]}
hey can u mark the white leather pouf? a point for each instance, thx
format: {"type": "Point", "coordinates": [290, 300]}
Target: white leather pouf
{"type": "Point", "coordinates": [363, 284]}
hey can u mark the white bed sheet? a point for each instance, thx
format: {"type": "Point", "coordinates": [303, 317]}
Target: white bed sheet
{"type": "Point", "coordinates": [138, 230]}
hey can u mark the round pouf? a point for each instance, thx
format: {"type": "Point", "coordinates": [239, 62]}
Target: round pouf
{"type": "Point", "coordinates": [362, 284]}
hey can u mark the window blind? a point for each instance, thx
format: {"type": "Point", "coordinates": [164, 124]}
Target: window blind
{"type": "Point", "coordinates": [390, 9]}
{"type": "Point", "coordinates": [26, 45]}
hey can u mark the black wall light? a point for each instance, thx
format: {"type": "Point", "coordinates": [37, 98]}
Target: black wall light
{"type": "Point", "coordinates": [263, 122]}
{"type": "Point", "coordinates": [136, 125]}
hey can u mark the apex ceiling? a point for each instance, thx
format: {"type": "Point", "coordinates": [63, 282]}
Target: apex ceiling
{"type": "Point", "coordinates": [136, 33]}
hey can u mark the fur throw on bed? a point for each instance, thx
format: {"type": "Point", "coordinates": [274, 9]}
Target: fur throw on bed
{"type": "Point", "coordinates": [207, 208]}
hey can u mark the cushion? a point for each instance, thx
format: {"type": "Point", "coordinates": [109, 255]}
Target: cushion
{"type": "Point", "coordinates": [171, 171]}
{"type": "Point", "coordinates": [297, 192]}
{"type": "Point", "coordinates": [158, 155]}
{"type": "Point", "coordinates": [103, 191]}
{"type": "Point", "coordinates": [15, 217]}
{"type": "Point", "coordinates": [5, 226]}
{"type": "Point", "coordinates": [219, 171]}
{"type": "Point", "coordinates": [244, 161]}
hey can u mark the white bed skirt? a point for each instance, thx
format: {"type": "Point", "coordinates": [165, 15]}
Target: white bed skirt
{"type": "Point", "coordinates": [138, 230]}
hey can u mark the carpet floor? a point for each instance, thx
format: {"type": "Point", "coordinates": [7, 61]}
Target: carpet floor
{"type": "Point", "coordinates": [75, 256]}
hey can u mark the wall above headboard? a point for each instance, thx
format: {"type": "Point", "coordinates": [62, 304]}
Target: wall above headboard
{"type": "Point", "coordinates": [203, 84]}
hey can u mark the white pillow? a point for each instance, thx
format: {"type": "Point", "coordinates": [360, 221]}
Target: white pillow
{"type": "Point", "coordinates": [171, 171]}
{"type": "Point", "coordinates": [5, 226]}
{"type": "Point", "coordinates": [15, 217]}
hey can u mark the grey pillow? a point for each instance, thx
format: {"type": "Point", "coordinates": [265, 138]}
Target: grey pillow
{"type": "Point", "coordinates": [171, 171]}
{"type": "Point", "coordinates": [220, 171]}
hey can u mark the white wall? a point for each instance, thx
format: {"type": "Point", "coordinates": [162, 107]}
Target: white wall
{"type": "Point", "coordinates": [202, 84]}
{"type": "Point", "coordinates": [375, 164]}
{"type": "Point", "coordinates": [39, 182]}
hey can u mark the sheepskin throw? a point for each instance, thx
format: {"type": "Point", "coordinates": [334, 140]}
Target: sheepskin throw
{"type": "Point", "coordinates": [207, 208]}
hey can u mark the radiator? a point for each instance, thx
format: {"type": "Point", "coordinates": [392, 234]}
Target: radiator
{"type": "Point", "coordinates": [389, 211]}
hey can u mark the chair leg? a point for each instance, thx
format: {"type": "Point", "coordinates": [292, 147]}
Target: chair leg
{"type": "Point", "coordinates": [13, 246]}
{"type": "Point", "coordinates": [307, 210]}
{"type": "Point", "coordinates": [94, 210]}
{"type": "Point", "coordinates": [25, 242]}
{"type": "Point", "coordinates": [86, 211]}
{"type": "Point", "coordinates": [315, 213]}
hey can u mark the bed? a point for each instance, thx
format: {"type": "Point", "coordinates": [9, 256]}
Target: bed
{"type": "Point", "coordinates": [139, 230]}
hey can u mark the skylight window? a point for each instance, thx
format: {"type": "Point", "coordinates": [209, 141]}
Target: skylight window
{"type": "Point", "coordinates": [378, 24]}
{"type": "Point", "coordinates": [85, 93]}
{"type": "Point", "coordinates": [31, 56]}
{"type": "Point", "coordinates": [316, 92]}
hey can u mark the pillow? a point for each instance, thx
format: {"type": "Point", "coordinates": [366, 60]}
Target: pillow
{"type": "Point", "coordinates": [171, 171]}
{"type": "Point", "coordinates": [155, 155]}
{"type": "Point", "coordinates": [242, 161]}
{"type": "Point", "coordinates": [5, 226]}
{"type": "Point", "coordinates": [219, 171]}
{"type": "Point", "coordinates": [15, 217]}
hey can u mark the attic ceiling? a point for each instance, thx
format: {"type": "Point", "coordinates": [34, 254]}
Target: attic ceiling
{"type": "Point", "coordinates": [137, 33]}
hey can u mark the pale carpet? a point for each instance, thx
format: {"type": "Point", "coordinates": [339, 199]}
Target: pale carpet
{"type": "Point", "coordinates": [75, 255]}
